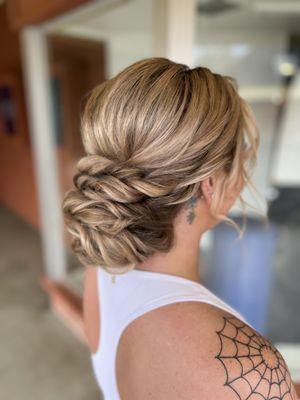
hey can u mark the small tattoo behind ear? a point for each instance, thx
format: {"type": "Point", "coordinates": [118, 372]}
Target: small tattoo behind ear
{"type": "Point", "coordinates": [191, 214]}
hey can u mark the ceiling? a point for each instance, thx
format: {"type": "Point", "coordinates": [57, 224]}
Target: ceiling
{"type": "Point", "coordinates": [114, 17]}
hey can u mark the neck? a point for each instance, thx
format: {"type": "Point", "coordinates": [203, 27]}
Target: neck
{"type": "Point", "coordinates": [183, 260]}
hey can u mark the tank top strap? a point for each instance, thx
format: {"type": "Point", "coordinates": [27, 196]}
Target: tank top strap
{"type": "Point", "coordinates": [172, 289]}
{"type": "Point", "coordinates": [126, 297]}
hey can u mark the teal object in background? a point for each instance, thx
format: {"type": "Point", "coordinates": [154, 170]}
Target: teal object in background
{"type": "Point", "coordinates": [241, 272]}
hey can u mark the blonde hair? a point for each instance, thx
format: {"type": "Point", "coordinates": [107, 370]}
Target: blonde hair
{"type": "Point", "coordinates": [151, 134]}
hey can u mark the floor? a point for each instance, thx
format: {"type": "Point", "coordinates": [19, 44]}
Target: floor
{"type": "Point", "coordinates": [40, 357]}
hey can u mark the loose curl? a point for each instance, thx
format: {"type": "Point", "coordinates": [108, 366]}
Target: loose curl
{"type": "Point", "coordinates": [151, 134]}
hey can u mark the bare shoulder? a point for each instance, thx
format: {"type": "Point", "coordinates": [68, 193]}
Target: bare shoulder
{"type": "Point", "coordinates": [192, 351]}
{"type": "Point", "coordinates": [91, 317]}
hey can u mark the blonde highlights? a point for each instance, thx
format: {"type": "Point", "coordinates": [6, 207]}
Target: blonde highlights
{"type": "Point", "coordinates": [151, 134]}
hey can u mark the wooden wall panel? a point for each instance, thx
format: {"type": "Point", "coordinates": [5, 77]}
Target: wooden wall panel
{"type": "Point", "coordinates": [26, 12]}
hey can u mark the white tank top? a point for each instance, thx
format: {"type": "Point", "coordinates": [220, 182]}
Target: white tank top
{"type": "Point", "coordinates": [131, 295]}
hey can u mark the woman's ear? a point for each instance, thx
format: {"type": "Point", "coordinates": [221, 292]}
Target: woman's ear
{"type": "Point", "coordinates": [207, 189]}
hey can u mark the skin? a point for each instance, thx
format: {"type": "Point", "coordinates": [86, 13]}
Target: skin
{"type": "Point", "coordinates": [199, 350]}
{"type": "Point", "coordinates": [187, 360]}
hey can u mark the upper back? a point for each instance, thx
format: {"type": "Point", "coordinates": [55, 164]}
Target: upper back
{"type": "Point", "coordinates": [200, 352]}
{"type": "Point", "coordinates": [169, 346]}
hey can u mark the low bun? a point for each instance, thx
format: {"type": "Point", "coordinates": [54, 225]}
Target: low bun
{"type": "Point", "coordinates": [151, 134]}
{"type": "Point", "coordinates": [113, 214]}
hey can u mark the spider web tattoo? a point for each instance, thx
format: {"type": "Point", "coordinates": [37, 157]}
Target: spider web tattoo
{"type": "Point", "coordinates": [254, 367]}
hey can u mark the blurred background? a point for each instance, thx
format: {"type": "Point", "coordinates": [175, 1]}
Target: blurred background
{"type": "Point", "coordinates": [52, 54]}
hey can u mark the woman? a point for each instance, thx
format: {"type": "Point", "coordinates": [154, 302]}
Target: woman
{"type": "Point", "coordinates": [168, 151]}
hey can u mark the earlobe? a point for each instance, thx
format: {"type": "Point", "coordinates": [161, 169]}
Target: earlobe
{"type": "Point", "coordinates": [211, 196]}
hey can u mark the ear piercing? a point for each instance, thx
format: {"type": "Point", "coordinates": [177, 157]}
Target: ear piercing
{"type": "Point", "coordinates": [211, 196]}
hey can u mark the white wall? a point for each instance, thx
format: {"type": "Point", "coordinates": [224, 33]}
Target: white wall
{"type": "Point", "coordinates": [286, 171]}
{"type": "Point", "coordinates": [126, 29]}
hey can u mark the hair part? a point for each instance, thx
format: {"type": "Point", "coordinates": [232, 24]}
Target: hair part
{"type": "Point", "coordinates": [151, 134]}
